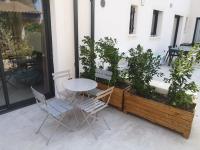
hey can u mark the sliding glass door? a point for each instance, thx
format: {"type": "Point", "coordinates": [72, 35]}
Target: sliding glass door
{"type": "Point", "coordinates": [2, 99]}
{"type": "Point", "coordinates": [25, 50]}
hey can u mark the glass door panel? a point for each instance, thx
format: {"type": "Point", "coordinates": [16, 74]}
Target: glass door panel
{"type": "Point", "coordinates": [25, 55]}
{"type": "Point", "coordinates": [2, 99]}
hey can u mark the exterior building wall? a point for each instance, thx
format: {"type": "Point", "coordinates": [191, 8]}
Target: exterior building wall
{"type": "Point", "coordinates": [113, 20]}
{"type": "Point", "coordinates": [62, 34]}
{"type": "Point", "coordinates": [194, 13]}
{"type": "Point", "coordinates": [62, 20]}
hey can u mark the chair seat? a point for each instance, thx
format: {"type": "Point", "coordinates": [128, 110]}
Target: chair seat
{"type": "Point", "coordinates": [66, 93]}
{"type": "Point", "coordinates": [92, 105]}
{"type": "Point", "coordinates": [57, 107]}
{"type": "Point", "coordinates": [94, 92]}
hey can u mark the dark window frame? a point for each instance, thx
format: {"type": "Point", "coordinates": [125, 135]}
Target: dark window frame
{"type": "Point", "coordinates": [132, 19]}
{"type": "Point", "coordinates": [195, 29]}
{"type": "Point", "coordinates": [154, 26]}
{"type": "Point", "coordinates": [178, 17]}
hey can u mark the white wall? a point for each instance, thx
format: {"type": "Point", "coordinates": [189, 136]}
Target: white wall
{"type": "Point", "coordinates": [62, 20]}
{"type": "Point", "coordinates": [62, 34]}
{"type": "Point", "coordinates": [194, 13]}
{"type": "Point", "coordinates": [113, 20]}
{"type": "Point", "coordinates": [84, 19]}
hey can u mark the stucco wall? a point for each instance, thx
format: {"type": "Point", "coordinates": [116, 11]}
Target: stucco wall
{"type": "Point", "coordinates": [113, 20]}
{"type": "Point", "coordinates": [194, 13]}
{"type": "Point", "coordinates": [62, 20]}
{"type": "Point", "coordinates": [62, 34]}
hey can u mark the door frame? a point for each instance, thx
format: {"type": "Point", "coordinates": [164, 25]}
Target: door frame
{"type": "Point", "coordinates": [178, 17]}
{"type": "Point", "coordinates": [195, 29]}
{"type": "Point", "coordinates": [48, 43]}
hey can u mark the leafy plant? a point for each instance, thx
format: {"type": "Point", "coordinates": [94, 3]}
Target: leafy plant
{"type": "Point", "coordinates": [180, 74]}
{"type": "Point", "coordinates": [142, 67]}
{"type": "Point", "coordinates": [9, 44]}
{"type": "Point", "coordinates": [33, 27]}
{"type": "Point", "coordinates": [87, 57]}
{"type": "Point", "coordinates": [108, 53]}
{"type": "Point", "coordinates": [23, 49]}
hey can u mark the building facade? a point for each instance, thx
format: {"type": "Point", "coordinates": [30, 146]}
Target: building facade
{"type": "Point", "coordinates": [51, 32]}
{"type": "Point", "coordinates": [113, 20]}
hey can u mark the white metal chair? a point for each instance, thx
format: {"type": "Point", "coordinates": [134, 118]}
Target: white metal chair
{"type": "Point", "coordinates": [100, 74]}
{"type": "Point", "coordinates": [55, 108]}
{"type": "Point", "coordinates": [91, 107]}
{"type": "Point", "coordinates": [59, 78]}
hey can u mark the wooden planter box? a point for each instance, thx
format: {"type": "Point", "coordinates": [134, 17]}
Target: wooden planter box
{"type": "Point", "coordinates": [164, 115]}
{"type": "Point", "coordinates": [116, 97]}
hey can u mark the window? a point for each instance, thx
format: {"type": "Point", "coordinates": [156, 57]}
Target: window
{"type": "Point", "coordinates": [156, 23]}
{"type": "Point", "coordinates": [196, 38]}
{"type": "Point", "coordinates": [132, 27]}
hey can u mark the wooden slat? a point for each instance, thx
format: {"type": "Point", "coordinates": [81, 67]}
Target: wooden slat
{"type": "Point", "coordinates": [116, 97]}
{"type": "Point", "coordinates": [161, 107]}
{"type": "Point", "coordinates": [164, 115]}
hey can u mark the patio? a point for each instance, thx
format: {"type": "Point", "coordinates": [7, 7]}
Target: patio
{"type": "Point", "coordinates": [17, 130]}
{"type": "Point", "coordinates": [89, 67]}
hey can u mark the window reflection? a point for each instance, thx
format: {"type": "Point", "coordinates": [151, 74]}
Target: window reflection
{"type": "Point", "coordinates": [23, 51]}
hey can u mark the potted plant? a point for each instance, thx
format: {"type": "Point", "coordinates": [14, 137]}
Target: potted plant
{"type": "Point", "coordinates": [175, 110]}
{"type": "Point", "coordinates": [108, 53]}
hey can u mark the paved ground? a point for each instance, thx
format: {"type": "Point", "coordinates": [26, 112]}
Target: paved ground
{"type": "Point", "coordinates": [128, 132]}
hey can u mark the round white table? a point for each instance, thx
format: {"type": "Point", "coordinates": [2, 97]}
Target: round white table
{"type": "Point", "coordinates": [80, 85]}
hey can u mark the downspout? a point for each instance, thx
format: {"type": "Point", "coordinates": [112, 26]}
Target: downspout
{"type": "Point", "coordinates": [76, 38]}
{"type": "Point", "coordinates": [92, 19]}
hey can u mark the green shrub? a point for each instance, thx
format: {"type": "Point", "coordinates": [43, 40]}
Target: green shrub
{"type": "Point", "coordinates": [180, 74]}
{"type": "Point", "coordinates": [142, 67]}
{"type": "Point", "coordinates": [87, 57]}
{"type": "Point", "coordinates": [109, 53]}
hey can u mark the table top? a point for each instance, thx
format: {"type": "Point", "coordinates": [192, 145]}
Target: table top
{"type": "Point", "coordinates": [80, 85]}
{"type": "Point", "coordinates": [184, 48]}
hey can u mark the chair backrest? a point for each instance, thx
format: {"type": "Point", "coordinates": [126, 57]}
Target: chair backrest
{"type": "Point", "coordinates": [105, 95]}
{"type": "Point", "coordinates": [59, 78]}
{"type": "Point", "coordinates": [61, 74]}
{"type": "Point", "coordinates": [103, 74]}
{"type": "Point", "coordinates": [39, 97]}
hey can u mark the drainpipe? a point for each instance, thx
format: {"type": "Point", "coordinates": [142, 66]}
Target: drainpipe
{"type": "Point", "coordinates": [92, 19]}
{"type": "Point", "coordinates": [76, 38]}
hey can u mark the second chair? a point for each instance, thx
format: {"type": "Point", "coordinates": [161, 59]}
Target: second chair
{"type": "Point", "coordinates": [100, 75]}
{"type": "Point", "coordinates": [59, 78]}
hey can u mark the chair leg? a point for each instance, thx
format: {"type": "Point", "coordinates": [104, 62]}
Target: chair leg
{"type": "Point", "coordinates": [38, 130]}
{"type": "Point", "coordinates": [75, 115]}
{"type": "Point", "coordinates": [61, 123]}
{"type": "Point", "coordinates": [106, 123]}
{"type": "Point", "coordinates": [170, 60]}
{"type": "Point", "coordinates": [92, 130]}
{"type": "Point", "coordinates": [104, 120]}
{"type": "Point", "coordinates": [85, 118]}
{"type": "Point", "coordinates": [89, 124]}
{"type": "Point", "coordinates": [166, 56]}
{"type": "Point", "coordinates": [52, 135]}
